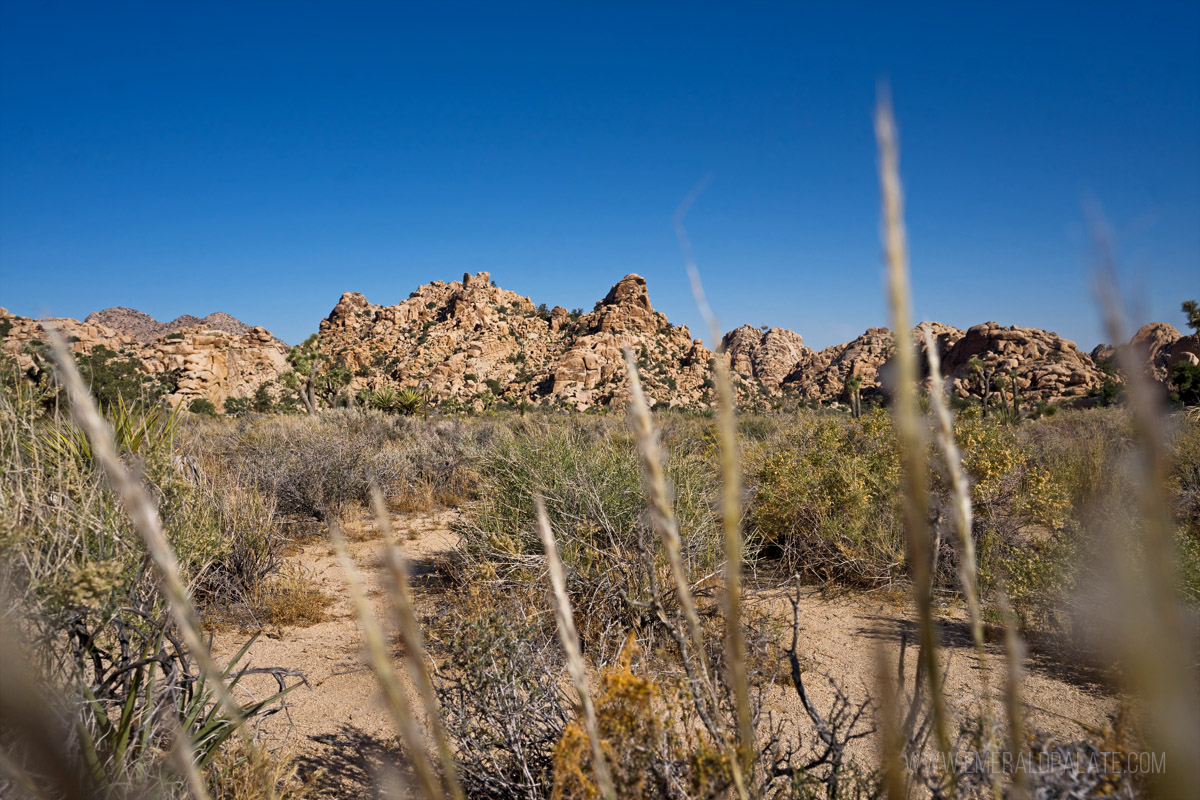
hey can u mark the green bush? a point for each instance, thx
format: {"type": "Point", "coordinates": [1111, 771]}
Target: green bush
{"type": "Point", "coordinates": [202, 405]}
{"type": "Point", "coordinates": [588, 472]}
{"type": "Point", "coordinates": [238, 406]}
{"type": "Point", "coordinates": [1185, 383]}
{"type": "Point", "coordinates": [823, 499]}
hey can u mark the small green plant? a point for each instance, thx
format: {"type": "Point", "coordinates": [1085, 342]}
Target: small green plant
{"type": "Point", "coordinates": [1185, 383]}
{"type": "Point", "coordinates": [238, 406]}
{"type": "Point", "coordinates": [137, 430]}
{"type": "Point", "coordinates": [204, 406]}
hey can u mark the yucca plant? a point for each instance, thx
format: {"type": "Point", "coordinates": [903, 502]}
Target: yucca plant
{"type": "Point", "coordinates": [406, 401]}
{"type": "Point", "coordinates": [137, 707]}
{"type": "Point", "coordinates": [140, 430]}
{"type": "Point", "coordinates": [410, 401]}
{"type": "Point", "coordinates": [384, 398]}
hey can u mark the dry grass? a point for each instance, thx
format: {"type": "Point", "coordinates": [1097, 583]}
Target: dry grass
{"type": "Point", "coordinates": [235, 776]}
{"type": "Point", "coordinates": [290, 599]}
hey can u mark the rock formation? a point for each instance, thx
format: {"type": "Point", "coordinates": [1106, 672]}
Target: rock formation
{"type": "Point", "coordinates": [767, 355]}
{"type": "Point", "coordinates": [476, 344]}
{"type": "Point", "coordinates": [196, 362]}
{"type": "Point", "coordinates": [1159, 345]}
{"type": "Point", "coordinates": [145, 328]}
{"type": "Point", "coordinates": [1047, 366]}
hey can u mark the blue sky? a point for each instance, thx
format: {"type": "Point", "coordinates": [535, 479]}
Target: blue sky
{"type": "Point", "coordinates": [262, 158]}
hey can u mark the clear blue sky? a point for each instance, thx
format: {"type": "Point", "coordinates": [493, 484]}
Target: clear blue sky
{"type": "Point", "coordinates": [262, 158]}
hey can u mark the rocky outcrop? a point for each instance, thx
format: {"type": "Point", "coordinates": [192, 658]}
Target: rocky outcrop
{"type": "Point", "coordinates": [145, 328]}
{"type": "Point", "coordinates": [1158, 345]}
{"type": "Point", "coordinates": [476, 343]}
{"type": "Point", "coordinates": [822, 375]}
{"type": "Point", "coordinates": [1152, 344]}
{"type": "Point", "coordinates": [472, 342]}
{"type": "Point", "coordinates": [1046, 366]}
{"type": "Point", "coordinates": [766, 355]}
{"type": "Point", "coordinates": [195, 362]}
{"type": "Point", "coordinates": [215, 364]}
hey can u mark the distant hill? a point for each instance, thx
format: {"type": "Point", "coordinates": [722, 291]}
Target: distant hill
{"type": "Point", "coordinates": [476, 343]}
{"type": "Point", "coordinates": [145, 328]}
{"type": "Point", "coordinates": [472, 343]}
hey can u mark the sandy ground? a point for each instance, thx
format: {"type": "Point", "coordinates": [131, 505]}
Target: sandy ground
{"type": "Point", "coordinates": [341, 728]}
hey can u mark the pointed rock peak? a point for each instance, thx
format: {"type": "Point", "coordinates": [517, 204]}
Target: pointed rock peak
{"type": "Point", "coordinates": [750, 336]}
{"type": "Point", "coordinates": [347, 306]}
{"type": "Point", "coordinates": [480, 280]}
{"type": "Point", "coordinates": [629, 291]}
{"type": "Point", "coordinates": [352, 299]}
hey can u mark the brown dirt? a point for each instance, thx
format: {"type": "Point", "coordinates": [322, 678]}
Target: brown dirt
{"type": "Point", "coordinates": [341, 728]}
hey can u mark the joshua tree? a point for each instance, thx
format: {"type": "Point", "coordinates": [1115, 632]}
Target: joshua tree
{"type": "Point", "coordinates": [1192, 309]}
{"type": "Point", "coordinates": [1016, 391]}
{"type": "Point", "coordinates": [324, 377]}
{"type": "Point", "coordinates": [984, 373]}
{"type": "Point", "coordinates": [853, 385]}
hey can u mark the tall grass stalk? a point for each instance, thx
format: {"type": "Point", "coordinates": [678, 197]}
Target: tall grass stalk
{"type": "Point", "coordinates": [891, 743]}
{"type": "Point", "coordinates": [1014, 655]}
{"type": "Point", "coordinates": [961, 509]}
{"type": "Point", "coordinates": [906, 414]}
{"type": "Point", "coordinates": [662, 513]}
{"type": "Point", "coordinates": [731, 508]}
{"type": "Point", "coordinates": [1155, 641]}
{"type": "Point", "coordinates": [414, 645]}
{"type": "Point", "coordinates": [377, 653]}
{"type": "Point", "coordinates": [663, 518]}
{"type": "Point", "coordinates": [569, 638]}
{"type": "Point", "coordinates": [144, 515]}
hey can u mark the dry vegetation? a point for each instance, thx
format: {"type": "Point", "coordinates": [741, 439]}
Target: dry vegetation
{"type": "Point", "coordinates": [640, 675]}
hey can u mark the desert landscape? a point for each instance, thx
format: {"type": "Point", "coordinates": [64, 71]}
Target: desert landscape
{"type": "Point", "coordinates": [467, 405]}
{"type": "Point", "coordinates": [451, 540]}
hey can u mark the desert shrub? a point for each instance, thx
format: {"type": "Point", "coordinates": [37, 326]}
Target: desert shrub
{"type": "Point", "coordinates": [823, 498]}
{"type": "Point", "coordinates": [202, 405]}
{"type": "Point", "coordinates": [317, 465]}
{"type": "Point", "coordinates": [1184, 477]}
{"type": "Point", "coordinates": [650, 752]}
{"type": "Point", "coordinates": [311, 466]}
{"type": "Point", "coordinates": [500, 693]}
{"type": "Point", "coordinates": [289, 597]}
{"type": "Point", "coordinates": [587, 470]}
{"type": "Point", "coordinates": [1010, 491]}
{"type": "Point", "coordinates": [436, 461]}
{"type": "Point", "coordinates": [1085, 450]}
{"type": "Point", "coordinates": [238, 406]}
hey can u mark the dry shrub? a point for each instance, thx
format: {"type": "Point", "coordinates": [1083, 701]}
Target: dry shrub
{"type": "Point", "coordinates": [649, 752]}
{"type": "Point", "coordinates": [291, 598]}
{"type": "Point", "coordinates": [317, 466]}
{"type": "Point", "coordinates": [236, 775]}
{"type": "Point", "coordinates": [587, 471]}
{"type": "Point", "coordinates": [823, 499]}
{"type": "Point", "coordinates": [500, 691]}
